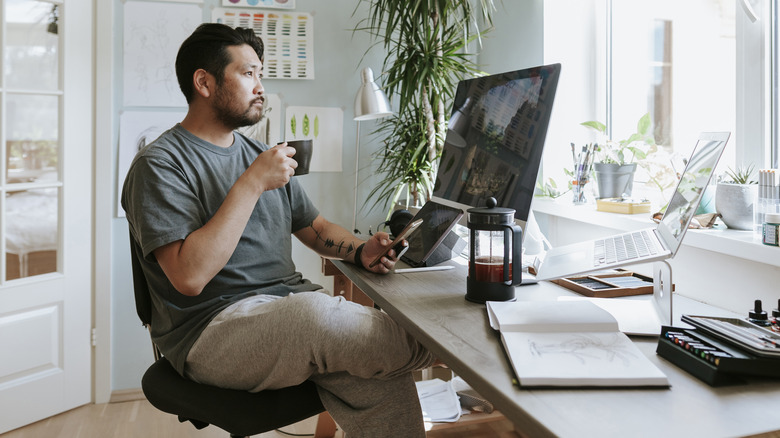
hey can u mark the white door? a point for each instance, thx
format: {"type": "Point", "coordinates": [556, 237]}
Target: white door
{"type": "Point", "coordinates": [46, 115]}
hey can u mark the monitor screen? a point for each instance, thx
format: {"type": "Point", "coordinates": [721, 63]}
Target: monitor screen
{"type": "Point", "coordinates": [495, 139]}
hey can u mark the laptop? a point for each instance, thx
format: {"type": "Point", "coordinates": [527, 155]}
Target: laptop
{"type": "Point", "coordinates": [650, 244]}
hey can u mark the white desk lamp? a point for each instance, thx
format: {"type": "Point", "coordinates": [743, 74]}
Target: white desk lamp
{"type": "Point", "coordinates": [370, 103]}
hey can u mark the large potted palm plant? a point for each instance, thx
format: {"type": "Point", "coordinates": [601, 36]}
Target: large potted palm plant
{"type": "Point", "coordinates": [426, 43]}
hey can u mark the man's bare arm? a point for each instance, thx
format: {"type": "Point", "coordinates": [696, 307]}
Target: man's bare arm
{"type": "Point", "coordinates": [191, 263]}
{"type": "Point", "coordinates": [333, 241]}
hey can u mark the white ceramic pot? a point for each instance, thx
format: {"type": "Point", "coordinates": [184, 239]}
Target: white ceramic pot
{"type": "Point", "coordinates": [734, 203]}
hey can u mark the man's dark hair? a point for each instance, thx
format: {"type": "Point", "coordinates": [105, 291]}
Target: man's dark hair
{"type": "Point", "coordinates": [206, 48]}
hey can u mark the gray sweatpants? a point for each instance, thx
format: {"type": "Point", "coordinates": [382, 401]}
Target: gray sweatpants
{"type": "Point", "coordinates": [359, 358]}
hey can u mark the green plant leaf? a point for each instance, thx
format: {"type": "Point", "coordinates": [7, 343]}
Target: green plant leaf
{"type": "Point", "coordinates": [638, 153]}
{"type": "Point", "coordinates": [305, 127]}
{"type": "Point", "coordinates": [741, 175]}
{"type": "Point", "coordinates": [598, 126]}
{"type": "Point", "coordinates": [643, 125]}
{"type": "Point", "coordinates": [637, 143]}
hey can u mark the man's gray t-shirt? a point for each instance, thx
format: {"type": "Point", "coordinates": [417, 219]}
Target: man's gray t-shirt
{"type": "Point", "coordinates": [174, 186]}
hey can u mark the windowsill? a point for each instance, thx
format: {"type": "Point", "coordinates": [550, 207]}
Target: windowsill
{"type": "Point", "coordinates": [741, 244]}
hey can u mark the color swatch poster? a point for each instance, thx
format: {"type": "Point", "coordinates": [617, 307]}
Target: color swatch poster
{"type": "Point", "coordinates": [279, 4]}
{"type": "Point", "coordinates": [288, 39]}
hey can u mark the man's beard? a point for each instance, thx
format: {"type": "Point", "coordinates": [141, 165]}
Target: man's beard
{"type": "Point", "coordinates": [234, 118]}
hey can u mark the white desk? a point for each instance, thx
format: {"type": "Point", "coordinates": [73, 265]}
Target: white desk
{"type": "Point", "coordinates": [431, 307]}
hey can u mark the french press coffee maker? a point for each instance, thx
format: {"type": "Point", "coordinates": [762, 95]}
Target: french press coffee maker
{"type": "Point", "coordinates": [495, 252]}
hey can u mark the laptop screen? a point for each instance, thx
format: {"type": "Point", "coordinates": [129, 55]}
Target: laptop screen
{"type": "Point", "coordinates": [694, 180]}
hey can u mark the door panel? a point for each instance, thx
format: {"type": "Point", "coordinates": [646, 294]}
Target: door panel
{"type": "Point", "coordinates": [46, 211]}
{"type": "Point", "coordinates": [34, 332]}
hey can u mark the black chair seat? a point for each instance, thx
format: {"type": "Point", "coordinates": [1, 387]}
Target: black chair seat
{"type": "Point", "coordinates": [240, 413]}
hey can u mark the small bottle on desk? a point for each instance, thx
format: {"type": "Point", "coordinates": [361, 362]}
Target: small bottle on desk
{"type": "Point", "coordinates": [758, 316]}
{"type": "Point", "coordinates": [771, 229]}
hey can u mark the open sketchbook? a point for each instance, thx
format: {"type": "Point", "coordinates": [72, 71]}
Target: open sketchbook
{"type": "Point", "coordinates": [634, 317]}
{"type": "Point", "coordinates": [569, 343]}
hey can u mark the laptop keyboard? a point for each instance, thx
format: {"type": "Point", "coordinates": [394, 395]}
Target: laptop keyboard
{"type": "Point", "coordinates": [624, 247]}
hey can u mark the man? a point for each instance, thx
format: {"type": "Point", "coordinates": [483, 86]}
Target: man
{"type": "Point", "coordinates": [211, 214]}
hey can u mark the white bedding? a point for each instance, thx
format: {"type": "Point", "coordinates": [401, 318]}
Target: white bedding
{"type": "Point", "coordinates": [31, 221]}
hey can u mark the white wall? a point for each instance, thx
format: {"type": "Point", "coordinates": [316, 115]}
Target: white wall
{"type": "Point", "coordinates": [518, 38]}
{"type": "Point", "coordinates": [516, 43]}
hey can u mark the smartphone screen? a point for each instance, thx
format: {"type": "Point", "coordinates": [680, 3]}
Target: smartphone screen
{"type": "Point", "coordinates": [401, 236]}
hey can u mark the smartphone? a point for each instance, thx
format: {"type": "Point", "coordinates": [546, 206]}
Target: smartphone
{"type": "Point", "coordinates": [401, 236]}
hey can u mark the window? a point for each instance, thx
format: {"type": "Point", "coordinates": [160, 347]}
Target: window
{"type": "Point", "coordinates": [31, 96]}
{"type": "Point", "coordinates": [660, 105]}
{"type": "Point", "coordinates": [695, 66]}
{"type": "Point", "coordinates": [676, 61]}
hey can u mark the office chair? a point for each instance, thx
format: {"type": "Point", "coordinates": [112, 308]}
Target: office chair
{"type": "Point", "coordinates": [240, 413]}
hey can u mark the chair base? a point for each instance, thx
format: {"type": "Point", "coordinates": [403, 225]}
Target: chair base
{"type": "Point", "coordinates": [240, 413]}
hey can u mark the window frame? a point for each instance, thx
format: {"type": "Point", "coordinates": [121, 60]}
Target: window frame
{"type": "Point", "coordinates": [773, 38]}
{"type": "Point", "coordinates": [754, 72]}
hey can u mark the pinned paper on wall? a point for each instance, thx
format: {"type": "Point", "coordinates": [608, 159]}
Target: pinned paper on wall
{"type": "Point", "coordinates": [287, 36]}
{"type": "Point", "coordinates": [278, 4]}
{"type": "Point", "coordinates": [268, 129]}
{"type": "Point", "coordinates": [136, 130]}
{"type": "Point", "coordinates": [153, 33]}
{"type": "Point", "coordinates": [322, 125]}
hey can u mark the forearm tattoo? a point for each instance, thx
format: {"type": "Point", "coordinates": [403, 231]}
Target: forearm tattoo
{"type": "Point", "coordinates": [343, 248]}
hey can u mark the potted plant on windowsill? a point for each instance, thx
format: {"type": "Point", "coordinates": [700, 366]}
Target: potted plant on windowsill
{"type": "Point", "coordinates": [734, 198]}
{"type": "Point", "coordinates": [617, 160]}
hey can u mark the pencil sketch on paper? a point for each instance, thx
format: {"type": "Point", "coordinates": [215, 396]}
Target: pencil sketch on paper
{"type": "Point", "coordinates": [153, 33]}
{"type": "Point", "coordinates": [585, 348]}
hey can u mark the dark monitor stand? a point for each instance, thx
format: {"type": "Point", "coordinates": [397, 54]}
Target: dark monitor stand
{"type": "Point", "coordinates": [452, 246]}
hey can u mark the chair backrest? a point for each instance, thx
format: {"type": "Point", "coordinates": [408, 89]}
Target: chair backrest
{"type": "Point", "coordinates": [143, 298]}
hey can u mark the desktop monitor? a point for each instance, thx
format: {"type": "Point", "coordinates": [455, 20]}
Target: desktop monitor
{"type": "Point", "coordinates": [494, 143]}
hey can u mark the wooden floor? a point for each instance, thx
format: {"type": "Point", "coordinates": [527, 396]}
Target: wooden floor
{"type": "Point", "coordinates": [139, 419]}
{"type": "Point", "coordinates": [132, 419]}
